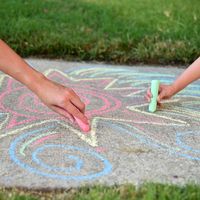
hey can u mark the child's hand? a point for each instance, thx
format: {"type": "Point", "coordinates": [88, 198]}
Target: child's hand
{"type": "Point", "coordinates": [62, 100]}
{"type": "Point", "coordinates": [164, 92]}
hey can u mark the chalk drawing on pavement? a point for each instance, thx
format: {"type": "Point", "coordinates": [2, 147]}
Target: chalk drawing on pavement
{"type": "Point", "coordinates": [39, 154]}
{"type": "Point", "coordinates": [115, 96]}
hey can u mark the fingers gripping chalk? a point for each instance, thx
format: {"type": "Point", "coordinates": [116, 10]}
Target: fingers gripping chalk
{"type": "Point", "coordinates": [154, 92]}
{"type": "Point", "coordinates": [84, 127]}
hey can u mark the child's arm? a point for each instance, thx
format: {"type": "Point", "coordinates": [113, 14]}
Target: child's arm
{"type": "Point", "coordinates": [57, 97]}
{"type": "Point", "coordinates": [191, 74]}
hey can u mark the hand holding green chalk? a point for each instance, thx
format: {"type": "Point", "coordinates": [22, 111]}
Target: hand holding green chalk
{"type": "Point", "coordinates": [154, 93]}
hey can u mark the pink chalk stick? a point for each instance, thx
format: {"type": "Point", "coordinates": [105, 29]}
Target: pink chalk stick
{"type": "Point", "coordinates": [84, 127]}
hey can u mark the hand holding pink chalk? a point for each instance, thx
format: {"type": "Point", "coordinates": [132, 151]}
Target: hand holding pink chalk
{"type": "Point", "coordinates": [84, 127]}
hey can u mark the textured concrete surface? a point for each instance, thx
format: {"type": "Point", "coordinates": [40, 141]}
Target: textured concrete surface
{"type": "Point", "coordinates": [127, 144]}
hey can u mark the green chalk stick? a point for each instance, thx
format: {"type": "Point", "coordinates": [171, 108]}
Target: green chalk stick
{"type": "Point", "coordinates": [154, 93]}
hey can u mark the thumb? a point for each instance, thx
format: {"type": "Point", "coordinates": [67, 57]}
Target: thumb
{"type": "Point", "coordinates": [160, 96]}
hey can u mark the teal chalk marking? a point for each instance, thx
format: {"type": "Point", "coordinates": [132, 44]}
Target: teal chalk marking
{"type": "Point", "coordinates": [154, 93]}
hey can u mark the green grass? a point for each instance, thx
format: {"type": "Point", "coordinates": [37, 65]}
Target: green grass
{"type": "Point", "coordinates": [148, 191]}
{"type": "Point", "coordinates": [128, 31]}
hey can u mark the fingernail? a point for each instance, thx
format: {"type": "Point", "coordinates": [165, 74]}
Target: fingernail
{"type": "Point", "coordinates": [87, 121]}
{"type": "Point", "coordinates": [83, 126]}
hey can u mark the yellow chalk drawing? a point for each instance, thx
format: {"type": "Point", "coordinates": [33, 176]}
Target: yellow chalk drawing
{"type": "Point", "coordinates": [91, 139]}
{"type": "Point", "coordinates": [171, 122]}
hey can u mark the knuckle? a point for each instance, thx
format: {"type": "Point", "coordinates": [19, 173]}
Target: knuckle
{"type": "Point", "coordinates": [63, 101]}
{"type": "Point", "coordinates": [68, 92]}
{"type": "Point", "coordinates": [82, 106]}
{"type": "Point", "coordinates": [76, 112]}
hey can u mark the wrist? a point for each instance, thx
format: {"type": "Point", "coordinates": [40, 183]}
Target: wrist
{"type": "Point", "coordinates": [35, 82]}
{"type": "Point", "coordinates": [174, 88]}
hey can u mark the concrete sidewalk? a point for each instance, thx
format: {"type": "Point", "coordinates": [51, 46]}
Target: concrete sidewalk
{"type": "Point", "coordinates": [126, 144]}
